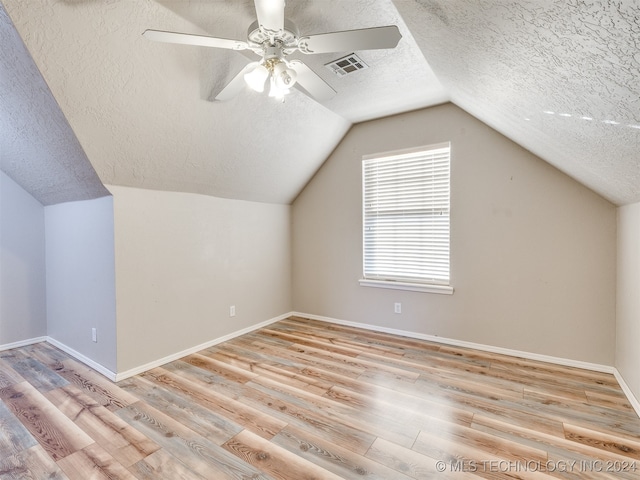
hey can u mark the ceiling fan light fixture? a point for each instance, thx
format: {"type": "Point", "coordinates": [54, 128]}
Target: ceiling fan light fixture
{"type": "Point", "coordinates": [277, 90]}
{"type": "Point", "coordinates": [257, 77]}
{"type": "Point", "coordinates": [285, 76]}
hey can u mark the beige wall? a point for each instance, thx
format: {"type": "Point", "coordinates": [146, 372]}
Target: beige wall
{"type": "Point", "coordinates": [533, 252]}
{"type": "Point", "coordinates": [81, 278]}
{"type": "Point", "coordinates": [183, 259]}
{"type": "Point", "coordinates": [628, 301]}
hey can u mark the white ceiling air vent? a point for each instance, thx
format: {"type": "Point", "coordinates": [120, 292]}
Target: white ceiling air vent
{"type": "Point", "coordinates": [346, 65]}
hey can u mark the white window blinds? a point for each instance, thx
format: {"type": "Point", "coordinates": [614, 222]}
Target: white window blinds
{"type": "Point", "coordinates": [406, 215]}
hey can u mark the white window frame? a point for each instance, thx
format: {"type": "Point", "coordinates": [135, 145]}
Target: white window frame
{"type": "Point", "coordinates": [430, 271]}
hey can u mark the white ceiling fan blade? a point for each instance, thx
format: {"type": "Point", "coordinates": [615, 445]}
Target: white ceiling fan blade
{"type": "Point", "coordinates": [351, 40]}
{"type": "Point", "coordinates": [311, 83]}
{"type": "Point", "coordinates": [270, 15]}
{"type": "Point", "coordinates": [236, 85]}
{"type": "Point", "coordinates": [198, 40]}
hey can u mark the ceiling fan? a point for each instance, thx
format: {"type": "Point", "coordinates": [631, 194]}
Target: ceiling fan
{"type": "Point", "coordinates": [273, 38]}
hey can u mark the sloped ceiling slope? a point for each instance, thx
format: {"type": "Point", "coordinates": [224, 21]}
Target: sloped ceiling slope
{"type": "Point", "coordinates": [559, 77]}
{"type": "Point", "coordinates": [142, 111]}
{"type": "Point", "coordinates": [38, 149]}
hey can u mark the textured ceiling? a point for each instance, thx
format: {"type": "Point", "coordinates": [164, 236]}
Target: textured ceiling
{"type": "Point", "coordinates": [37, 146]}
{"type": "Point", "coordinates": [560, 77]}
{"type": "Point", "coordinates": [140, 111]}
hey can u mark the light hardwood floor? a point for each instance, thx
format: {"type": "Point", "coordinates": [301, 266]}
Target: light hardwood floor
{"type": "Point", "coordinates": [303, 399]}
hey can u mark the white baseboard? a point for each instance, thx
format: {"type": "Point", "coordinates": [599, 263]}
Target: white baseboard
{"type": "Point", "coordinates": [170, 358]}
{"type": "Point", "coordinates": [22, 343]}
{"type": "Point", "coordinates": [567, 362]}
{"type": "Point", "coordinates": [84, 359]}
{"type": "Point", "coordinates": [115, 377]}
{"type": "Point", "coordinates": [596, 367]}
{"type": "Point", "coordinates": [627, 391]}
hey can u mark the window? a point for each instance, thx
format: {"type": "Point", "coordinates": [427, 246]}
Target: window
{"type": "Point", "coordinates": [406, 219]}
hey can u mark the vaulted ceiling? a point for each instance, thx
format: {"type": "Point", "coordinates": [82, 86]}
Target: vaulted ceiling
{"type": "Point", "coordinates": [87, 100]}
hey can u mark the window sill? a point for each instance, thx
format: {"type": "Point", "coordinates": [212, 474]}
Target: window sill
{"type": "Point", "coordinates": [412, 287]}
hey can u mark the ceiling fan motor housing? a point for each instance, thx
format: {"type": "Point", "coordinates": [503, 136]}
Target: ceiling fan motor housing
{"type": "Point", "coordinates": [259, 39]}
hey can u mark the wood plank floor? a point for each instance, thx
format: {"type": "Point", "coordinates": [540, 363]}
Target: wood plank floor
{"type": "Point", "coordinates": [303, 399]}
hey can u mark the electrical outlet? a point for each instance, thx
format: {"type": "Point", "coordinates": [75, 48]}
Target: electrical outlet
{"type": "Point", "coordinates": [94, 335]}
{"type": "Point", "coordinates": [232, 311]}
{"type": "Point", "coordinates": [397, 307]}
